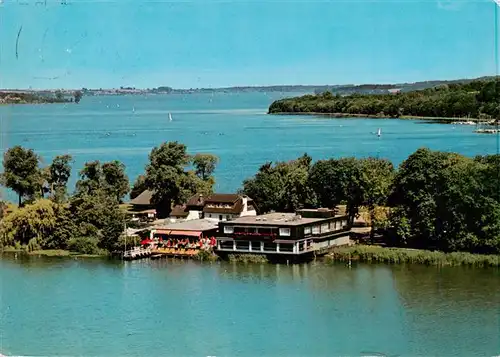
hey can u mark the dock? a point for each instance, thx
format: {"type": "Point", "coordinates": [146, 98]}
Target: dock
{"type": "Point", "coordinates": [487, 131]}
{"type": "Point", "coordinates": [136, 253]}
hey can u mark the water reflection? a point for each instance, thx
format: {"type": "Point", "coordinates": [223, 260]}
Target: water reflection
{"type": "Point", "coordinates": [245, 309]}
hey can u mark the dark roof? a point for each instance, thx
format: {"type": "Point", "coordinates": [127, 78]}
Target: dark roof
{"type": "Point", "coordinates": [179, 211]}
{"type": "Point", "coordinates": [144, 199]}
{"type": "Point", "coordinates": [196, 201]}
{"type": "Point", "coordinates": [223, 198]}
{"type": "Point", "coordinates": [232, 203]}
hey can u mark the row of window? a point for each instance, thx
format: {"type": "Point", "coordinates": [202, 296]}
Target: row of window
{"type": "Point", "coordinates": [325, 227]}
{"type": "Point", "coordinates": [286, 232]}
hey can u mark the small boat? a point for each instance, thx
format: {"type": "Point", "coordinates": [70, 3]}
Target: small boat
{"type": "Point", "coordinates": [379, 132]}
{"type": "Point", "coordinates": [169, 116]}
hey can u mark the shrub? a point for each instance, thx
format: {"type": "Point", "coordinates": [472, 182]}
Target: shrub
{"type": "Point", "coordinates": [84, 245]}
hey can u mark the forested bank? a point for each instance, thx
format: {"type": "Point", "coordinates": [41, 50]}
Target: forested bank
{"type": "Point", "coordinates": [90, 220]}
{"type": "Point", "coordinates": [475, 99]}
{"type": "Point", "coordinates": [434, 200]}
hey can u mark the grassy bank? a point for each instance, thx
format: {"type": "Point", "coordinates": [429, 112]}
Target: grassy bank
{"type": "Point", "coordinates": [375, 254]}
{"type": "Point", "coordinates": [248, 258]}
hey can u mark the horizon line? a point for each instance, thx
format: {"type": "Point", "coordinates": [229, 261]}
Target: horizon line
{"type": "Point", "coordinates": [123, 87]}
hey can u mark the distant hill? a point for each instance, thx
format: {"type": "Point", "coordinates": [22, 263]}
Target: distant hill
{"type": "Point", "coordinates": [344, 89]}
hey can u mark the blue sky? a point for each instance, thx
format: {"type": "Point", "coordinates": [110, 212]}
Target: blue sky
{"type": "Point", "coordinates": [207, 43]}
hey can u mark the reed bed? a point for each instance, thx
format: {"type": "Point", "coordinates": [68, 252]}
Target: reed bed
{"type": "Point", "coordinates": [248, 258]}
{"type": "Point", "coordinates": [375, 254]}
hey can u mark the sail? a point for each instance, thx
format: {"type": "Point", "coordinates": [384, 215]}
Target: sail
{"type": "Point", "coordinates": [379, 132]}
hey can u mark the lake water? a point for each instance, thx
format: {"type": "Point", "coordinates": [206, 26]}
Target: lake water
{"type": "Point", "coordinates": [233, 126]}
{"type": "Point", "coordinates": [67, 307]}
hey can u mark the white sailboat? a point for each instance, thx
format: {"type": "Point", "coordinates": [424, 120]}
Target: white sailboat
{"type": "Point", "coordinates": [169, 116]}
{"type": "Point", "coordinates": [379, 132]}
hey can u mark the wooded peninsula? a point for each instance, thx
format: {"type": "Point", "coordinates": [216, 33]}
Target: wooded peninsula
{"type": "Point", "coordinates": [475, 99]}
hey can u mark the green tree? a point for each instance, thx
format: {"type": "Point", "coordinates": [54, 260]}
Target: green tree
{"type": "Point", "coordinates": [59, 173]}
{"type": "Point", "coordinates": [445, 201]}
{"type": "Point", "coordinates": [282, 187]}
{"type": "Point", "coordinates": [376, 180]}
{"type": "Point", "coordinates": [322, 177]}
{"type": "Point", "coordinates": [337, 181]}
{"type": "Point", "coordinates": [78, 96]}
{"type": "Point", "coordinates": [166, 176]}
{"type": "Point", "coordinates": [59, 95]}
{"type": "Point", "coordinates": [22, 173]}
{"type": "Point", "coordinates": [91, 178]}
{"type": "Point", "coordinates": [205, 165]}
{"type": "Point", "coordinates": [33, 225]}
{"type": "Point", "coordinates": [98, 216]}
{"type": "Point", "coordinates": [115, 180]}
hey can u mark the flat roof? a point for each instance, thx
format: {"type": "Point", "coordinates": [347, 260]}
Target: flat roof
{"type": "Point", "coordinates": [276, 219]}
{"type": "Point", "coordinates": [191, 225]}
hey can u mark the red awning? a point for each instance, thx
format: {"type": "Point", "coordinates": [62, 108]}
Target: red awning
{"type": "Point", "coordinates": [176, 232]}
{"type": "Point", "coordinates": [146, 241]}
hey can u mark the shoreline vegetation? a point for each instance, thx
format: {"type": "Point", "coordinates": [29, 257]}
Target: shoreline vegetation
{"type": "Point", "coordinates": [370, 254]}
{"type": "Point", "coordinates": [475, 99]}
{"type": "Point", "coordinates": [391, 255]}
{"type": "Point", "coordinates": [434, 201]}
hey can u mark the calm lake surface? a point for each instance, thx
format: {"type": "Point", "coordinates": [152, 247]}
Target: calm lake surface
{"type": "Point", "coordinates": [67, 307]}
{"type": "Point", "coordinates": [233, 126]}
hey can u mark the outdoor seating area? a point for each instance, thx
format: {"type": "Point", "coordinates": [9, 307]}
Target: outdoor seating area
{"type": "Point", "coordinates": [179, 246]}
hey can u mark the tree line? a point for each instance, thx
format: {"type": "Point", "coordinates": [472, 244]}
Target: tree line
{"type": "Point", "coordinates": [434, 200]}
{"type": "Point", "coordinates": [58, 96]}
{"type": "Point", "coordinates": [476, 99]}
{"type": "Point", "coordinates": [89, 219]}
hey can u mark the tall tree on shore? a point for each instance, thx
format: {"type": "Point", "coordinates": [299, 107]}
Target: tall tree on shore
{"type": "Point", "coordinates": [377, 178]}
{"type": "Point", "coordinates": [59, 173]}
{"type": "Point", "coordinates": [282, 187]}
{"type": "Point", "coordinates": [338, 181]}
{"type": "Point", "coordinates": [98, 216]}
{"type": "Point", "coordinates": [91, 178]}
{"type": "Point", "coordinates": [205, 165]}
{"type": "Point", "coordinates": [78, 96]}
{"type": "Point", "coordinates": [22, 173]}
{"type": "Point", "coordinates": [165, 173]}
{"type": "Point", "coordinates": [115, 180]}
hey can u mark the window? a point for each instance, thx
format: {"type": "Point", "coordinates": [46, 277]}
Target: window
{"type": "Point", "coordinates": [220, 217]}
{"type": "Point", "coordinates": [307, 230]}
{"type": "Point", "coordinates": [285, 232]}
{"type": "Point", "coordinates": [324, 228]}
{"type": "Point", "coordinates": [228, 229]}
{"type": "Point", "coordinates": [315, 229]}
{"type": "Point", "coordinates": [228, 217]}
{"type": "Point", "coordinates": [255, 246]}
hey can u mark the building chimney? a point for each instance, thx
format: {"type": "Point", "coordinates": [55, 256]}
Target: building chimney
{"type": "Point", "coordinates": [245, 203]}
